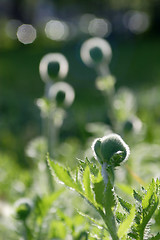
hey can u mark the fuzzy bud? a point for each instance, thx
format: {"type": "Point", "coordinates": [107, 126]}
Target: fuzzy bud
{"type": "Point", "coordinates": [23, 208]}
{"type": "Point", "coordinates": [111, 149]}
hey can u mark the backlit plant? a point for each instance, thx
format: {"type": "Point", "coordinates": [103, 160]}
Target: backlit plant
{"type": "Point", "coordinates": [95, 182]}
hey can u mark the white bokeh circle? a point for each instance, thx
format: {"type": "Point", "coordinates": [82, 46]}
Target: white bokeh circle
{"type": "Point", "coordinates": [65, 87]}
{"type": "Point", "coordinates": [91, 43]}
{"type": "Point", "coordinates": [53, 57]}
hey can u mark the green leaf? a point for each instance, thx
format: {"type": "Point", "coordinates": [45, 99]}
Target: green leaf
{"type": "Point", "coordinates": [126, 224]}
{"type": "Point", "coordinates": [157, 237]}
{"type": "Point", "coordinates": [137, 196]}
{"type": "Point", "coordinates": [64, 218]}
{"type": "Point", "coordinates": [98, 189]}
{"type": "Point", "coordinates": [43, 204]}
{"type": "Point", "coordinates": [125, 188]}
{"type": "Point", "coordinates": [148, 195]}
{"type": "Point", "coordinates": [77, 180]}
{"type": "Point", "coordinates": [109, 197]}
{"type": "Point", "coordinates": [63, 175]}
{"type": "Point", "coordinates": [87, 184]}
{"type": "Point", "coordinates": [94, 221]}
{"type": "Point", "coordinates": [148, 213]}
{"type": "Point", "coordinates": [127, 206]}
{"type": "Point", "coordinates": [120, 217]}
{"type": "Point", "coordinates": [57, 230]}
{"type": "Point", "coordinates": [149, 204]}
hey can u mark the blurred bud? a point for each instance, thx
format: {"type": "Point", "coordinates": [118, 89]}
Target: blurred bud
{"type": "Point", "coordinates": [124, 104]}
{"type": "Point", "coordinates": [62, 93]}
{"type": "Point", "coordinates": [105, 83]}
{"type": "Point", "coordinates": [111, 150]}
{"type": "Point", "coordinates": [96, 51]}
{"type": "Point", "coordinates": [128, 126]}
{"type": "Point", "coordinates": [36, 148]}
{"type": "Point", "coordinates": [23, 208]}
{"type": "Point", "coordinates": [132, 125]}
{"type": "Point", "coordinates": [44, 106]}
{"type": "Point", "coordinates": [53, 66]}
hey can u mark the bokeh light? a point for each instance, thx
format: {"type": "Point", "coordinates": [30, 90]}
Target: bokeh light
{"type": "Point", "coordinates": [84, 21]}
{"type": "Point", "coordinates": [99, 27]}
{"type": "Point", "coordinates": [57, 30]}
{"type": "Point", "coordinates": [53, 58]}
{"type": "Point", "coordinates": [90, 48]}
{"type": "Point", "coordinates": [62, 87]}
{"type": "Point", "coordinates": [26, 34]}
{"type": "Point", "coordinates": [11, 28]}
{"type": "Point", "coordinates": [137, 22]}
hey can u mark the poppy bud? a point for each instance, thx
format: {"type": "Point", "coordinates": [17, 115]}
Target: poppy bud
{"type": "Point", "coordinates": [111, 149]}
{"type": "Point", "coordinates": [23, 208]}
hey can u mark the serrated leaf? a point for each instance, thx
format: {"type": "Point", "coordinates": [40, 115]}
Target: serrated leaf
{"type": "Point", "coordinates": [98, 188]}
{"type": "Point", "coordinates": [109, 197]}
{"type": "Point", "coordinates": [127, 206]}
{"type": "Point", "coordinates": [125, 188]}
{"type": "Point", "coordinates": [148, 213]}
{"type": "Point", "coordinates": [157, 237]}
{"type": "Point", "coordinates": [120, 217]}
{"type": "Point", "coordinates": [63, 175]}
{"type": "Point", "coordinates": [148, 195]}
{"type": "Point", "coordinates": [77, 180]}
{"type": "Point", "coordinates": [126, 224]}
{"type": "Point", "coordinates": [87, 184]}
{"type": "Point", "coordinates": [149, 204]}
{"type": "Point", "coordinates": [137, 196]}
{"type": "Point", "coordinates": [94, 221]}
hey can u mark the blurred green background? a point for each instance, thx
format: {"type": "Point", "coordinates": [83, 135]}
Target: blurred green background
{"type": "Point", "coordinates": [135, 42]}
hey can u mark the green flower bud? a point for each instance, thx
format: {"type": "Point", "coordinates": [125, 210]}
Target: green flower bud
{"type": "Point", "coordinates": [132, 125]}
{"type": "Point", "coordinates": [23, 208]}
{"type": "Point", "coordinates": [111, 149]}
{"type": "Point", "coordinates": [128, 126]}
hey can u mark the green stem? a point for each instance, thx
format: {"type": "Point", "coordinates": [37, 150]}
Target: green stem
{"type": "Point", "coordinates": [110, 223]}
{"type": "Point", "coordinates": [28, 234]}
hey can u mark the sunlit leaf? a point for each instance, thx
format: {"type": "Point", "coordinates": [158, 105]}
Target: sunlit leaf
{"type": "Point", "coordinates": [63, 175]}
{"type": "Point", "coordinates": [126, 224]}
{"type": "Point", "coordinates": [137, 196]}
{"type": "Point", "coordinates": [87, 184]}
{"type": "Point", "coordinates": [127, 206]}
